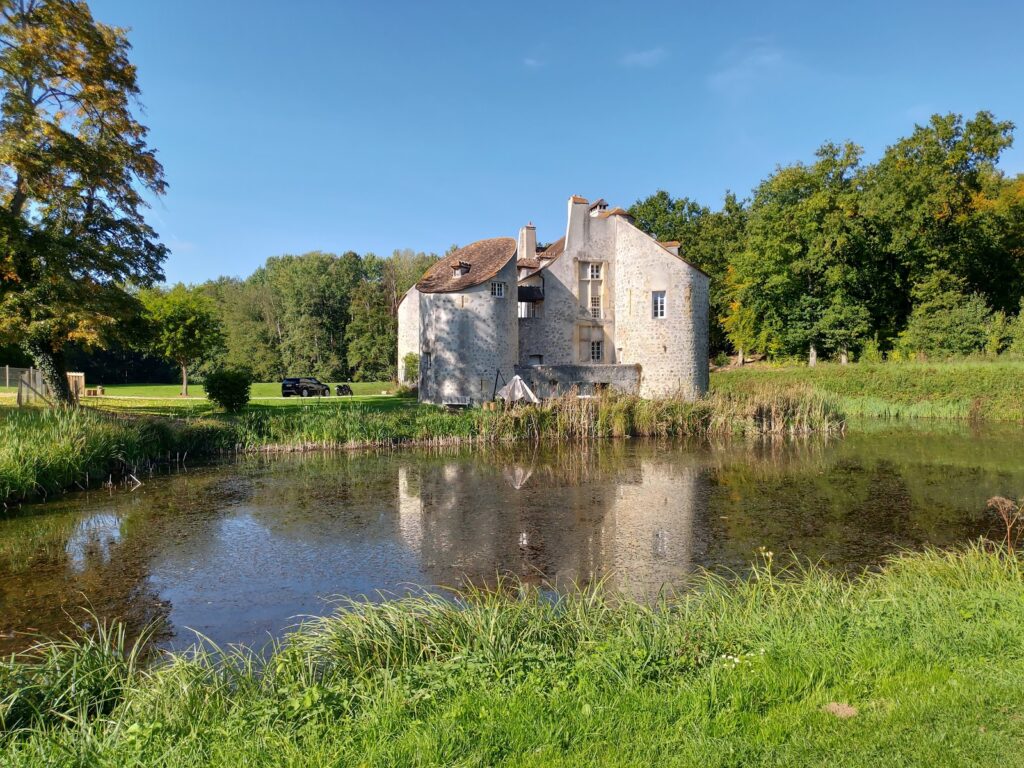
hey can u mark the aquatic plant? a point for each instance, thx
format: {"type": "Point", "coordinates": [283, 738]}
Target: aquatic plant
{"type": "Point", "coordinates": [43, 451]}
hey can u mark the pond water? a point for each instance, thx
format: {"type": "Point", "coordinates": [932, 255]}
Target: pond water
{"type": "Point", "coordinates": [238, 551]}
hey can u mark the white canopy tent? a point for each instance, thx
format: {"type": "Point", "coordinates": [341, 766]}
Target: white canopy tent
{"type": "Point", "coordinates": [517, 390]}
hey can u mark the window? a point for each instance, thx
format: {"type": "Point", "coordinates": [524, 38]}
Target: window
{"type": "Point", "coordinates": [595, 271]}
{"type": "Point", "coordinates": [536, 359]}
{"type": "Point", "coordinates": [658, 304]}
{"type": "Point", "coordinates": [498, 290]}
{"type": "Point", "coordinates": [595, 306]}
{"type": "Point", "coordinates": [527, 309]}
{"type": "Point", "coordinates": [596, 351]}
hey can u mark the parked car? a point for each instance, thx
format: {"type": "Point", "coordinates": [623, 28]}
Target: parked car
{"type": "Point", "coordinates": [304, 387]}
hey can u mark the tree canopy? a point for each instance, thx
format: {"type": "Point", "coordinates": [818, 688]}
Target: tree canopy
{"type": "Point", "coordinates": [76, 168]}
{"type": "Point", "coordinates": [183, 327]}
{"type": "Point", "coordinates": [834, 254]}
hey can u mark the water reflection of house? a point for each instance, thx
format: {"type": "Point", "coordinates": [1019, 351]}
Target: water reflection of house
{"type": "Point", "coordinates": [541, 522]}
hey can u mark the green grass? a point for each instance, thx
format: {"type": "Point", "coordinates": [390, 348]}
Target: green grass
{"type": "Point", "coordinates": [925, 657]}
{"type": "Point", "coordinates": [45, 451]}
{"type": "Point", "coordinates": [955, 390]}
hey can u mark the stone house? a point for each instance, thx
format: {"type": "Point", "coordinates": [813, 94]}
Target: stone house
{"type": "Point", "coordinates": [606, 305]}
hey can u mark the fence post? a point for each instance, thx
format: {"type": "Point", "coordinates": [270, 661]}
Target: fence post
{"type": "Point", "coordinates": [7, 375]}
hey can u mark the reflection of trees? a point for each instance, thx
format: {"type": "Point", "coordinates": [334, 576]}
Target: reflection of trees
{"type": "Point", "coordinates": [638, 513]}
{"type": "Point", "coordinates": [851, 502]}
{"type": "Point", "coordinates": [57, 560]}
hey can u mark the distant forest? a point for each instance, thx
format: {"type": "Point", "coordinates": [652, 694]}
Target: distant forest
{"type": "Point", "coordinates": [920, 253]}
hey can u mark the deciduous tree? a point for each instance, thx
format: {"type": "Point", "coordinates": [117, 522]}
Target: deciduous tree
{"type": "Point", "coordinates": [75, 171]}
{"type": "Point", "coordinates": [185, 328]}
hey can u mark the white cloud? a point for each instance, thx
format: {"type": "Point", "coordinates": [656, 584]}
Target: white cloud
{"type": "Point", "coordinates": [743, 70]}
{"type": "Point", "coordinates": [530, 63]}
{"type": "Point", "coordinates": [649, 58]}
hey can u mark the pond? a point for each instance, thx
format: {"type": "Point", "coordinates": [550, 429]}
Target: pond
{"type": "Point", "coordinates": [239, 551]}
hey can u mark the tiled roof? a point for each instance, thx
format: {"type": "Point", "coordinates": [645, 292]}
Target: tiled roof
{"type": "Point", "coordinates": [548, 255]}
{"type": "Point", "coordinates": [578, 199]}
{"type": "Point", "coordinates": [614, 212]}
{"type": "Point", "coordinates": [553, 251]}
{"type": "Point", "coordinates": [668, 243]}
{"type": "Point", "coordinates": [485, 259]}
{"type": "Point", "coordinates": [528, 263]}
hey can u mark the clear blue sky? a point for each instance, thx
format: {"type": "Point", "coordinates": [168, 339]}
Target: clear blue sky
{"type": "Point", "coordinates": [370, 126]}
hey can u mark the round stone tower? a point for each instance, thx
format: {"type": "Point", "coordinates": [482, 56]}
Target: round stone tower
{"type": "Point", "coordinates": [469, 329]}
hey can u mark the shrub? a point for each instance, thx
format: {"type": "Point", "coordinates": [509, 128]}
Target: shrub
{"type": "Point", "coordinates": [412, 368]}
{"type": "Point", "coordinates": [946, 320]}
{"type": "Point", "coordinates": [871, 352]}
{"type": "Point", "coordinates": [229, 388]}
{"type": "Point", "coordinates": [998, 334]}
{"type": "Point", "coordinates": [1016, 331]}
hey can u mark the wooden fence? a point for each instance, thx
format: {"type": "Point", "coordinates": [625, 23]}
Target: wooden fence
{"type": "Point", "coordinates": [32, 388]}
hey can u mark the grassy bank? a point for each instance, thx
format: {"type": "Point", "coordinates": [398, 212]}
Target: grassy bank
{"type": "Point", "coordinates": [920, 664]}
{"type": "Point", "coordinates": [991, 391]}
{"type": "Point", "coordinates": [46, 451]}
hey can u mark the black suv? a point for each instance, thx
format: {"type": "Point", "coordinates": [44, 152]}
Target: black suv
{"type": "Point", "coordinates": [305, 387]}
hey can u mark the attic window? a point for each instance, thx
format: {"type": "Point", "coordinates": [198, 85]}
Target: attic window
{"type": "Point", "coordinates": [459, 268]}
{"type": "Point", "coordinates": [498, 290]}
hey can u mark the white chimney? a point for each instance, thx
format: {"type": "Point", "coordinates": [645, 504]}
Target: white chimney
{"type": "Point", "coordinates": [527, 247]}
{"type": "Point", "coordinates": [575, 231]}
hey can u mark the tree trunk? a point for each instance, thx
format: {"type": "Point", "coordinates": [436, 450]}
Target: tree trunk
{"type": "Point", "coordinates": [812, 357]}
{"type": "Point", "coordinates": [184, 380]}
{"type": "Point", "coordinates": [844, 356]}
{"type": "Point", "coordinates": [740, 359]}
{"type": "Point", "coordinates": [55, 373]}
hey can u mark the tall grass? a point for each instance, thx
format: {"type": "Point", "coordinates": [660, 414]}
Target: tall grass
{"type": "Point", "coordinates": [922, 659]}
{"type": "Point", "coordinates": [987, 390]}
{"type": "Point", "coordinates": [45, 451]}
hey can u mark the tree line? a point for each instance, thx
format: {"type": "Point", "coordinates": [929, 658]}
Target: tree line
{"type": "Point", "coordinates": [918, 253]}
{"type": "Point", "coordinates": [318, 314]}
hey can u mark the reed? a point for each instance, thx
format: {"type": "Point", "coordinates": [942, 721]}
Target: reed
{"type": "Point", "coordinates": [991, 390]}
{"type": "Point", "coordinates": [42, 452]}
{"type": "Point", "coordinates": [793, 666]}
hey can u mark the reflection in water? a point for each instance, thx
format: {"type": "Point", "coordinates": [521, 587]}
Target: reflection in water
{"type": "Point", "coordinates": [93, 537]}
{"type": "Point", "coordinates": [236, 552]}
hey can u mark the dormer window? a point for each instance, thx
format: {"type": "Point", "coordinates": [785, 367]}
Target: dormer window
{"type": "Point", "coordinates": [459, 268]}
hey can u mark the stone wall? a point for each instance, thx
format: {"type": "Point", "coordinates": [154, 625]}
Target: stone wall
{"type": "Point", "coordinates": [408, 330]}
{"type": "Point", "coordinates": [672, 350]}
{"type": "Point", "coordinates": [554, 380]}
{"type": "Point", "coordinates": [466, 338]}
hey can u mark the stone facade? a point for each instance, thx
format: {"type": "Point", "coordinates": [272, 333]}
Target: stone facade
{"type": "Point", "coordinates": [468, 340]}
{"type": "Point", "coordinates": [607, 305]}
{"type": "Point", "coordinates": [555, 380]}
